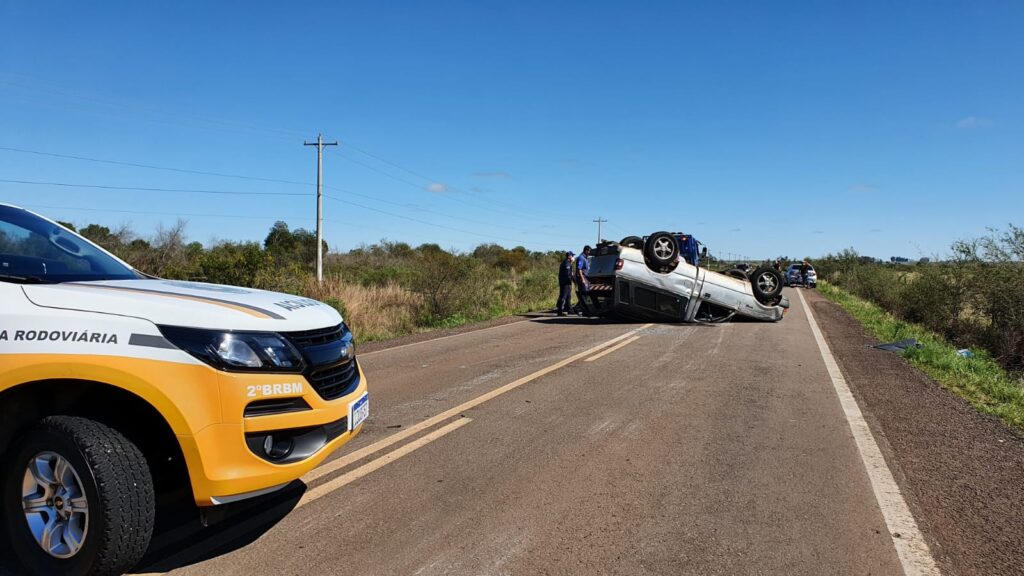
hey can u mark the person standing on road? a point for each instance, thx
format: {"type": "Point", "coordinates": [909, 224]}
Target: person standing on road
{"type": "Point", "coordinates": [582, 277]}
{"type": "Point", "coordinates": [805, 267]}
{"type": "Point", "coordinates": [566, 271]}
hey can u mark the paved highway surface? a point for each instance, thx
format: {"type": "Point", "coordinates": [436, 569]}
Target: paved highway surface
{"type": "Point", "coordinates": [574, 446]}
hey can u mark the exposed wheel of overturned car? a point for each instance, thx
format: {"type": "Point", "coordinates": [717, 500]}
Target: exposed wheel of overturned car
{"type": "Point", "coordinates": [632, 242]}
{"type": "Point", "coordinates": [661, 251]}
{"type": "Point", "coordinates": [767, 285]}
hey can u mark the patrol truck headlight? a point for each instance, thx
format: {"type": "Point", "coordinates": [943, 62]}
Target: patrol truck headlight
{"type": "Point", "coordinates": [237, 351]}
{"type": "Point", "coordinates": [280, 353]}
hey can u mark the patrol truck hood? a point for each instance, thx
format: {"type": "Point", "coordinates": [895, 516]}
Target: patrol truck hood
{"type": "Point", "coordinates": [191, 304]}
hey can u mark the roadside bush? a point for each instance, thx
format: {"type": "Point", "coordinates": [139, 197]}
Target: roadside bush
{"type": "Point", "coordinates": [383, 290]}
{"type": "Point", "coordinates": [974, 299]}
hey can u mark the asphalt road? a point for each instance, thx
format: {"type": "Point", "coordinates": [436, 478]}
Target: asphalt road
{"type": "Point", "coordinates": [530, 448]}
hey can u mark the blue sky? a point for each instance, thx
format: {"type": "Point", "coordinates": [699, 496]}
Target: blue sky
{"type": "Point", "coordinates": [764, 128]}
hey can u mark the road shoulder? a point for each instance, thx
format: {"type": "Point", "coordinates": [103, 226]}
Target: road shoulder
{"type": "Point", "coordinates": [961, 471]}
{"type": "Point", "coordinates": [428, 335]}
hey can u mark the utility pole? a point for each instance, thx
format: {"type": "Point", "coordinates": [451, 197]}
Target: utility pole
{"type": "Point", "coordinates": [320, 202]}
{"type": "Point", "coordinates": [599, 221]}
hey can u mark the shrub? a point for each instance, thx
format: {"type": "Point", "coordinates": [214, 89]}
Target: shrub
{"type": "Point", "coordinates": [974, 299]}
{"type": "Point", "coordinates": [383, 290]}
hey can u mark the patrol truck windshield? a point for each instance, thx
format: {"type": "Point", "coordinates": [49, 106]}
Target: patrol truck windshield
{"type": "Point", "coordinates": [35, 250]}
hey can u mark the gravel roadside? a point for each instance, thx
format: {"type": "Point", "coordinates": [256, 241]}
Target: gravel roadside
{"type": "Point", "coordinates": [962, 472]}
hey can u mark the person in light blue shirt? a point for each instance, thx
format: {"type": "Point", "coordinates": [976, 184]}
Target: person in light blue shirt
{"type": "Point", "coordinates": [582, 277]}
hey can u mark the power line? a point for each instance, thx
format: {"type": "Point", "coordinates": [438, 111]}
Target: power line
{"type": "Point", "coordinates": [419, 175]}
{"type": "Point", "coordinates": [463, 200]}
{"type": "Point", "coordinates": [241, 127]}
{"type": "Point", "coordinates": [120, 105]}
{"type": "Point", "coordinates": [154, 167]}
{"type": "Point", "coordinates": [145, 189]}
{"type": "Point", "coordinates": [379, 171]}
{"type": "Point", "coordinates": [420, 208]}
{"type": "Point", "coordinates": [244, 177]}
{"type": "Point", "coordinates": [232, 192]}
{"type": "Point", "coordinates": [425, 222]}
{"type": "Point", "coordinates": [208, 173]}
{"type": "Point", "coordinates": [152, 213]}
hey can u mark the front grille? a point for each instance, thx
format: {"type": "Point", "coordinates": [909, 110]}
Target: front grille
{"type": "Point", "coordinates": [336, 381]}
{"type": "Point", "coordinates": [316, 337]}
{"type": "Point", "coordinates": [330, 371]}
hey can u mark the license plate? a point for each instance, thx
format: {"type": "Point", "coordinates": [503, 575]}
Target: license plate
{"type": "Point", "coordinates": [358, 411]}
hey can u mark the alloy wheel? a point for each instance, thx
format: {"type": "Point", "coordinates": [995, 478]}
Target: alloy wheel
{"type": "Point", "coordinates": [55, 505]}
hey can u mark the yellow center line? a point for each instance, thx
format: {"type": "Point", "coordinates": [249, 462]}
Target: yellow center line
{"type": "Point", "coordinates": [327, 487]}
{"type": "Point", "coordinates": [612, 349]}
{"type": "Point", "coordinates": [339, 463]}
{"type": "Point", "coordinates": [345, 479]}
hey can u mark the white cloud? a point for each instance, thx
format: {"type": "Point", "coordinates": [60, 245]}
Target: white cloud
{"type": "Point", "coordinates": [437, 187]}
{"type": "Point", "coordinates": [972, 122]}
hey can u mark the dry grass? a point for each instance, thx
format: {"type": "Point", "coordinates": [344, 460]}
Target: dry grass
{"type": "Point", "coordinates": [373, 312]}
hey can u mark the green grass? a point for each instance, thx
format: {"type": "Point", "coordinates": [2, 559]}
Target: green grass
{"type": "Point", "coordinates": [979, 380]}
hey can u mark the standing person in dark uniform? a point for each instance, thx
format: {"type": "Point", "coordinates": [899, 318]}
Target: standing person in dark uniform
{"type": "Point", "coordinates": [566, 270]}
{"type": "Point", "coordinates": [582, 277]}
{"type": "Point", "coordinates": [805, 267]}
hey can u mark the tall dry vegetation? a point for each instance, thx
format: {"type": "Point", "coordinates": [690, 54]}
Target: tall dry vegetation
{"type": "Point", "coordinates": [976, 298]}
{"type": "Point", "coordinates": [383, 290]}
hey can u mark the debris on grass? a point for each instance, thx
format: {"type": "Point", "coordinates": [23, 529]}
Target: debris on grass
{"type": "Point", "coordinates": [899, 346]}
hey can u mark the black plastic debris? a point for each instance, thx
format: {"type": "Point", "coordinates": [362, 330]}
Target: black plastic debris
{"type": "Point", "coordinates": [899, 346]}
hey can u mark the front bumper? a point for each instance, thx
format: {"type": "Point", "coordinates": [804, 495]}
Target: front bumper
{"type": "Point", "coordinates": [223, 465]}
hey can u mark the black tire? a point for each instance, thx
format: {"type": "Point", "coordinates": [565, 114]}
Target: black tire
{"type": "Point", "coordinates": [632, 242]}
{"type": "Point", "coordinates": [661, 250]}
{"type": "Point", "coordinates": [736, 273]}
{"type": "Point", "coordinates": [117, 486]}
{"type": "Point", "coordinates": [766, 284]}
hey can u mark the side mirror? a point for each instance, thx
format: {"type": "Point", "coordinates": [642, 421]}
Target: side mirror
{"type": "Point", "coordinates": [704, 252]}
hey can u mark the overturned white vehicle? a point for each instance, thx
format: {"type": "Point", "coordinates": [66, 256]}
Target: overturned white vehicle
{"type": "Point", "coordinates": [660, 277]}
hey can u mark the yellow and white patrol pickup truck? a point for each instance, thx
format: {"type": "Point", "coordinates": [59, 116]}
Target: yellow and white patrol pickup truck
{"type": "Point", "coordinates": [114, 384]}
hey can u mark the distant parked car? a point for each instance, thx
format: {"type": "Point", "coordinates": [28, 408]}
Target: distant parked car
{"type": "Point", "coordinates": [793, 276]}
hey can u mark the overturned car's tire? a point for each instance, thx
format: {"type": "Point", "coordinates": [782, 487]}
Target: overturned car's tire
{"type": "Point", "coordinates": [632, 242]}
{"type": "Point", "coordinates": [661, 250]}
{"type": "Point", "coordinates": [767, 285]}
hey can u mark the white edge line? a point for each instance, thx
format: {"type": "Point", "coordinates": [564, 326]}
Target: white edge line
{"type": "Point", "coordinates": [906, 537]}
